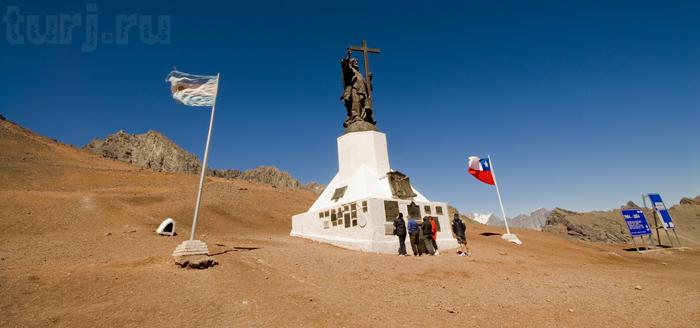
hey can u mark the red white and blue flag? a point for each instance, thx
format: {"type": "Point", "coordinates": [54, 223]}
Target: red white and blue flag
{"type": "Point", "coordinates": [480, 168]}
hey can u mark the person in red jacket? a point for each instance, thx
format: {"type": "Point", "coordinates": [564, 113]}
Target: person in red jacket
{"type": "Point", "coordinates": [434, 230]}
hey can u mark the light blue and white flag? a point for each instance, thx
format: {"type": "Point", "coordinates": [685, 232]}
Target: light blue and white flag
{"type": "Point", "coordinates": [193, 90]}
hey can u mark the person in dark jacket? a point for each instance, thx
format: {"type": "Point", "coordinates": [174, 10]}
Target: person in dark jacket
{"type": "Point", "coordinates": [460, 230]}
{"type": "Point", "coordinates": [414, 236]}
{"type": "Point", "coordinates": [428, 235]}
{"type": "Point", "coordinates": [400, 230]}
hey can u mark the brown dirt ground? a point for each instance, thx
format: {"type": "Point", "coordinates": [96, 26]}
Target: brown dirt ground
{"type": "Point", "coordinates": [78, 249]}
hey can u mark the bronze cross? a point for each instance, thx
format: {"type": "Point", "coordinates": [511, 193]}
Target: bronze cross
{"type": "Point", "coordinates": [365, 51]}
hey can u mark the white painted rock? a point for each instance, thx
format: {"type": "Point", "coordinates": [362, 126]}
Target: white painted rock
{"type": "Point", "coordinates": [167, 228]}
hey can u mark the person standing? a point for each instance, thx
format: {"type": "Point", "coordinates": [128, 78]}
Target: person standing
{"type": "Point", "coordinates": [400, 231]}
{"type": "Point", "coordinates": [433, 230]}
{"type": "Point", "coordinates": [460, 230]}
{"type": "Point", "coordinates": [414, 236]}
{"type": "Point", "coordinates": [428, 235]}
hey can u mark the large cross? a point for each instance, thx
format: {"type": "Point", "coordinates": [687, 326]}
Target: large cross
{"type": "Point", "coordinates": [365, 51]}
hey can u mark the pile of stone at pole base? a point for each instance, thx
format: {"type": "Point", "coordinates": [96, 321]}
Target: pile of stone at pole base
{"type": "Point", "coordinates": [193, 254]}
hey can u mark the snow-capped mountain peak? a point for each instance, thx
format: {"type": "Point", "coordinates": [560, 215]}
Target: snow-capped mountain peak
{"type": "Point", "coordinates": [483, 218]}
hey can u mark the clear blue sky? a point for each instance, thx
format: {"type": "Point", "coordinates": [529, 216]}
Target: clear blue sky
{"type": "Point", "coordinates": [581, 104]}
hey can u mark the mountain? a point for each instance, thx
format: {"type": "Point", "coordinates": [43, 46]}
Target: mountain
{"type": "Point", "coordinates": [610, 227]}
{"type": "Point", "coordinates": [269, 175]}
{"type": "Point", "coordinates": [690, 201]}
{"type": "Point", "coordinates": [150, 150]}
{"type": "Point", "coordinates": [534, 220]}
{"type": "Point", "coordinates": [589, 226]}
{"type": "Point", "coordinates": [482, 218]}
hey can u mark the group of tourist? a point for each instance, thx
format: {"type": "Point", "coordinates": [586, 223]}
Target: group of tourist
{"type": "Point", "coordinates": [423, 237]}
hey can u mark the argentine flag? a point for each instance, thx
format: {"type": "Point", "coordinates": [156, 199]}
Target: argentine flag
{"type": "Point", "coordinates": [193, 90]}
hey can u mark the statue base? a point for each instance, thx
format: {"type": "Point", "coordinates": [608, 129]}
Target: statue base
{"type": "Point", "coordinates": [357, 209]}
{"type": "Point", "coordinates": [360, 126]}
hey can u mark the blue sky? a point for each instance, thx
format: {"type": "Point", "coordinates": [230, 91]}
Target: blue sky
{"type": "Point", "coordinates": [581, 104]}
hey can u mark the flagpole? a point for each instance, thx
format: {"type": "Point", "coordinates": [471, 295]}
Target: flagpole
{"type": "Point", "coordinates": [204, 163]}
{"type": "Point", "coordinates": [498, 192]}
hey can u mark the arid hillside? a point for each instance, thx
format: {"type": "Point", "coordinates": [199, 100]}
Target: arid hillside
{"type": "Point", "coordinates": [610, 227]}
{"type": "Point", "coordinates": [78, 249]}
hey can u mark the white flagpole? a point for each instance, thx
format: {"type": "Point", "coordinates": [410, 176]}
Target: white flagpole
{"type": "Point", "coordinates": [204, 163]}
{"type": "Point", "coordinates": [498, 192]}
{"type": "Point", "coordinates": [508, 236]}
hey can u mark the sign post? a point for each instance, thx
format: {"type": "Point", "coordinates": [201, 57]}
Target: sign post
{"type": "Point", "coordinates": [637, 225]}
{"type": "Point", "coordinates": [661, 214]}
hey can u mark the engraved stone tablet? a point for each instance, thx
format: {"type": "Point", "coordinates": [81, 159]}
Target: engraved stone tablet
{"type": "Point", "coordinates": [339, 193]}
{"type": "Point", "coordinates": [438, 210]}
{"type": "Point", "coordinates": [413, 210]}
{"type": "Point", "coordinates": [400, 185]}
{"type": "Point", "coordinates": [391, 208]}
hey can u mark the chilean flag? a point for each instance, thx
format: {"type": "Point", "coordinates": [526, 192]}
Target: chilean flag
{"type": "Point", "coordinates": [480, 168]}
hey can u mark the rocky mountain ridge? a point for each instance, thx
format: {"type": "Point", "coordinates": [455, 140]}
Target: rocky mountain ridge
{"type": "Point", "coordinates": [534, 220]}
{"type": "Point", "coordinates": [610, 227]}
{"type": "Point", "coordinates": [152, 150]}
{"type": "Point", "coordinates": [269, 175]}
{"type": "Point", "coordinates": [599, 226]}
{"type": "Point", "coordinates": [588, 226]}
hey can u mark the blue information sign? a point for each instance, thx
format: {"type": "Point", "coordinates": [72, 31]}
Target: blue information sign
{"type": "Point", "coordinates": [661, 210]}
{"type": "Point", "coordinates": [636, 222]}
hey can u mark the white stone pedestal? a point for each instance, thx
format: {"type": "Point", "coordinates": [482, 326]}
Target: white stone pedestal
{"type": "Point", "coordinates": [362, 217]}
{"type": "Point", "coordinates": [191, 247]}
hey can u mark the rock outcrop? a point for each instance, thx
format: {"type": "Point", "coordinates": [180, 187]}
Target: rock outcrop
{"type": "Point", "coordinates": [155, 151]}
{"type": "Point", "coordinates": [589, 226]}
{"type": "Point", "coordinates": [451, 212]}
{"type": "Point", "coordinates": [268, 175]}
{"type": "Point", "coordinates": [630, 205]}
{"type": "Point", "coordinates": [150, 150]}
{"type": "Point", "coordinates": [315, 187]}
{"type": "Point", "coordinates": [690, 201]}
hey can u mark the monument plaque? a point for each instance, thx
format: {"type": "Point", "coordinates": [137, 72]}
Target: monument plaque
{"type": "Point", "coordinates": [413, 211]}
{"type": "Point", "coordinates": [391, 210]}
{"type": "Point", "coordinates": [400, 185]}
{"type": "Point", "coordinates": [347, 220]}
{"type": "Point", "coordinates": [339, 193]}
